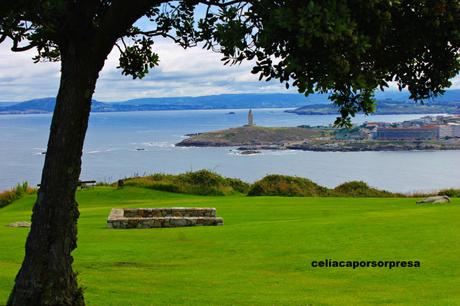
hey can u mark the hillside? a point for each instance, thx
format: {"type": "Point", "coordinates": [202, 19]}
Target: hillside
{"type": "Point", "coordinates": [262, 255]}
{"type": "Point", "coordinates": [388, 107]}
{"type": "Point", "coordinates": [390, 102]}
{"type": "Point", "coordinates": [46, 105]}
{"type": "Point", "coordinates": [230, 101]}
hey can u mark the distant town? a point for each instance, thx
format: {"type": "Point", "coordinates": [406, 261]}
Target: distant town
{"type": "Point", "coordinates": [425, 128]}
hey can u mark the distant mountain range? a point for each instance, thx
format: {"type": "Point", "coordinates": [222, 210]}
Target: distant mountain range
{"type": "Point", "coordinates": [392, 107]}
{"type": "Point", "coordinates": [315, 103]}
{"type": "Point", "coordinates": [228, 101]}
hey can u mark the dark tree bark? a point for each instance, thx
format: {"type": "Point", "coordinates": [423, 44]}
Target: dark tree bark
{"type": "Point", "coordinates": [46, 276]}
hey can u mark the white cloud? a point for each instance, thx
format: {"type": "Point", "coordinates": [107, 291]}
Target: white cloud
{"type": "Point", "coordinates": [191, 72]}
{"type": "Point", "coordinates": [21, 79]}
{"type": "Point", "coordinates": [456, 82]}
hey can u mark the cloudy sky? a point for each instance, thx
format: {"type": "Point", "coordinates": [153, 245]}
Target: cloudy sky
{"type": "Point", "coordinates": [192, 72]}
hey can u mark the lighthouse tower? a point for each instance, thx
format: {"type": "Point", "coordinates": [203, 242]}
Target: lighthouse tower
{"type": "Point", "coordinates": [250, 118]}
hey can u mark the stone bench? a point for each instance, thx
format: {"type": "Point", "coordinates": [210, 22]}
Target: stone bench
{"type": "Point", "coordinates": [125, 218]}
{"type": "Point", "coordinates": [168, 212]}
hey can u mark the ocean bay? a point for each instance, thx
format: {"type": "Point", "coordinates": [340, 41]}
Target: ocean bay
{"type": "Point", "coordinates": [129, 143]}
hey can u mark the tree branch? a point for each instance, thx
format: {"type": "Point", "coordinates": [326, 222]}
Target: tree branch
{"type": "Point", "coordinates": [16, 48]}
{"type": "Point", "coordinates": [120, 16]}
{"type": "Point", "coordinates": [223, 4]}
{"type": "Point", "coordinates": [3, 37]}
{"type": "Point", "coordinates": [119, 48]}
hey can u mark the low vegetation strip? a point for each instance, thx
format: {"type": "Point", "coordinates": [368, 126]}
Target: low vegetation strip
{"type": "Point", "coordinates": [205, 182]}
{"type": "Point", "coordinates": [9, 196]}
{"type": "Point", "coordinates": [208, 183]}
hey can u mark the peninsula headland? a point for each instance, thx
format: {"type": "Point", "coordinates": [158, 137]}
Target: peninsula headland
{"type": "Point", "coordinates": [427, 133]}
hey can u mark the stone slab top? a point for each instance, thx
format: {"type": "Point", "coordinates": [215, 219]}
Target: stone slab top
{"type": "Point", "coordinates": [165, 208]}
{"type": "Point", "coordinates": [141, 213]}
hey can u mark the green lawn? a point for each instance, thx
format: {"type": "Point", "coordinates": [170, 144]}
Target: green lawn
{"type": "Point", "coordinates": [261, 256]}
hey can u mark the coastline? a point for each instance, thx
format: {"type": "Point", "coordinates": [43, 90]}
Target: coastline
{"type": "Point", "coordinates": [331, 146]}
{"type": "Point", "coordinates": [253, 139]}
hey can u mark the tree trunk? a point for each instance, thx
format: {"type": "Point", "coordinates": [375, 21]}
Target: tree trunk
{"type": "Point", "coordinates": [46, 276]}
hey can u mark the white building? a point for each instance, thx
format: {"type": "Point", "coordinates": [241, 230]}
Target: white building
{"type": "Point", "coordinates": [449, 130]}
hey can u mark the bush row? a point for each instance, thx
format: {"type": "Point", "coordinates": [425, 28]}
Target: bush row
{"type": "Point", "coordinates": [291, 186]}
{"type": "Point", "coordinates": [206, 182]}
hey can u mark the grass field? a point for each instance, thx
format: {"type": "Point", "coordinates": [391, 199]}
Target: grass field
{"type": "Point", "coordinates": [261, 256]}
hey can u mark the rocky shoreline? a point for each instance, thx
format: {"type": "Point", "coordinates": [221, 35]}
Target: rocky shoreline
{"type": "Point", "coordinates": [333, 146]}
{"type": "Point", "coordinates": [362, 146]}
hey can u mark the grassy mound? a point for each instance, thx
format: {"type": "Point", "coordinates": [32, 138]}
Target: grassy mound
{"type": "Point", "coordinates": [201, 182]}
{"type": "Point", "coordinates": [288, 186]}
{"type": "Point", "coordinates": [360, 189]}
{"type": "Point", "coordinates": [452, 193]}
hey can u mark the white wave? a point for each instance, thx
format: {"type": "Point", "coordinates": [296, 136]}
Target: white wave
{"type": "Point", "coordinates": [158, 144]}
{"type": "Point", "coordinates": [282, 152]}
{"type": "Point", "coordinates": [265, 152]}
{"type": "Point", "coordinates": [183, 148]}
{"type": "Point", "coordinates": [180, 136]}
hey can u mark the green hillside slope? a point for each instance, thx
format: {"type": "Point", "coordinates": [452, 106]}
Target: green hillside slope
{"type": "Point", "coordinates": [261, 256]}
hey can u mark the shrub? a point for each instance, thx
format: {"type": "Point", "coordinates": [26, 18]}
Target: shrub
{"type": "Point", "coordinates": [238, 185]}
{"type": "Point", "coordinates": [202, 178]}
{"type": "Point", "coordinates": [9, 196]}
{"type": "Point", "coordinates": [290, 186]}
{"type": "Point", "coordinates": [203, 182]}
{"type": "Point", "coordinates": [360, 189]}
{"type": "Point", "coordinates": [452, 193]}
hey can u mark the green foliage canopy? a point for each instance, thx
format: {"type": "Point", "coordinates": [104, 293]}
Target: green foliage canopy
{"type": "Point", "coordinates": [347, 48]}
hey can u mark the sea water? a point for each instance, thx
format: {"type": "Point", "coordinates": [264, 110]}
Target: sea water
{"type": "Point", "coordinates": [136, 143]}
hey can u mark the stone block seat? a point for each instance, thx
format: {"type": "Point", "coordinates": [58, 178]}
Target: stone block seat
{"type": "Point", "coordinates": [162, 217]}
